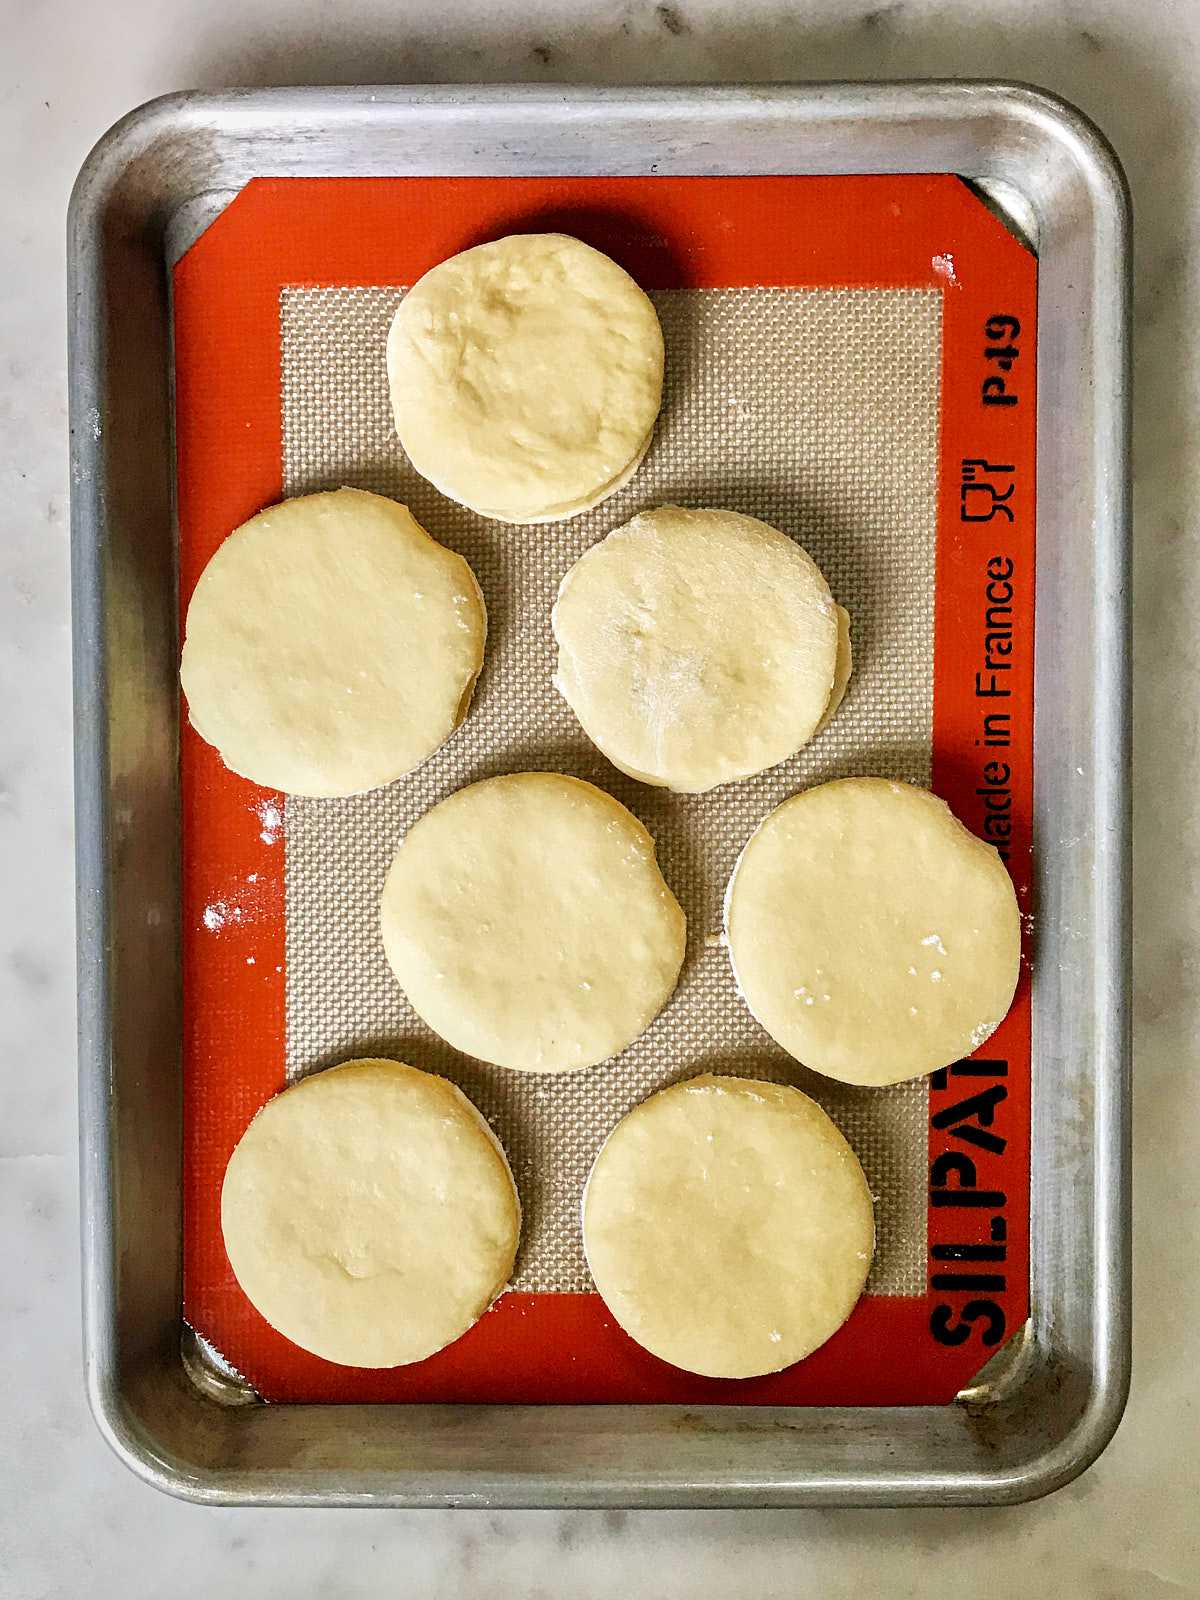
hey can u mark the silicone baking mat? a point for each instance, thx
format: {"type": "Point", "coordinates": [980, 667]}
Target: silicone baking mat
{"type": "Point", "coordinates": [850, 359]}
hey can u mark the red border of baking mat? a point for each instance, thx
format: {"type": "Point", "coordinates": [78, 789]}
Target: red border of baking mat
{"type": "Point", "coordinates": [918, 231]}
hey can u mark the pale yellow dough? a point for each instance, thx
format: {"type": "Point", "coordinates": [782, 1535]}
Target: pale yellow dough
{"type": "Point", "coordinates": [331, 645]}
{"type": "Point", "coordinates": [527, 922]}
{"type": "Point", "coordinates": [728, 1226]}
{"type": "Point", "coordinates": [871, 934]}
{"type": "Point", "coordinates": [526, 376]}
{"type": "Point", "coordinates": [843, 669]}
{"type": "Point", "coordinates": [698, 647]}
{"type": "Point", "coordinates": [369, 1214]}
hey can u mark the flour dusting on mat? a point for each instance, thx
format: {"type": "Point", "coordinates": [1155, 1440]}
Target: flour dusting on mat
{"type": "Point", "coordinates": [944, 267]}
{"type": "Point", "coordinates": [271, 817]}
{"type": "Point", "coordinates": [218, 913]}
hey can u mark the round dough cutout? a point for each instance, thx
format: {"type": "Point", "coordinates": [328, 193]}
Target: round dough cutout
{"type": "Point", "coordinates": [526, 376]}
{"type": "Point", "coordinates": [728, 1226]}
{"type": "Point", "coordinates": [698, 647]}
{"type": "Point", "coordinates": [369, 1214]}
{"type": "Point", "coordinates": [527, 922]}
{"type": "Point", "coordinates": [871, 934]}
{"type": "Point", "coordinates": [331, 645]}
{"type": "Point", "coordinates": [843, 669]}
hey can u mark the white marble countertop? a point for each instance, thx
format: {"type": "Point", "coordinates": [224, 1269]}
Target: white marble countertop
{"type": "Point", "coordinates": [72, 1520]}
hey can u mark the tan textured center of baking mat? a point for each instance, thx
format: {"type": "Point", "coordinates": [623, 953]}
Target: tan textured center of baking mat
{"type": "Point", "coordinates": [816, 410]}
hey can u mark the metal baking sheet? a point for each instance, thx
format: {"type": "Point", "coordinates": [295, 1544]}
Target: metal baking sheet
{"type": "Point", "coordinates": [1057, 1389]}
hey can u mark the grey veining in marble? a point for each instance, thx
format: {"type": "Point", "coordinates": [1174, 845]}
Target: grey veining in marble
{"type": "Point", "coordinates": [72, 1521]}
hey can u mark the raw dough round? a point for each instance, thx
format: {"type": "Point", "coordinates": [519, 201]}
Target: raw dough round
{"type": "Point", "coordinates": [369, 1214]}
{"type": "Point", "coordinates": [873, 937]}
{"type": "Point", "coordinates": [843, 669]}
{"type": "Point", "coordinates": [696, 647]}
{"type": "Point", "coordinates": [527, 922]}
{"type": "Point", "coordinates": [331, 645]}
{"type": "Point", "coordinates": [526, 376]}
{"type": "Point", "coordinates": [728, 1226]}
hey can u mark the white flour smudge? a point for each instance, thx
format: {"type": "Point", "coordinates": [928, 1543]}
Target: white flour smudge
{"type": "Point", "coordinates": [981, 1034]}
{"type": "Point", "coordinates": [271, 817]}
{"type": "Point", "coordinates": [944, 267]}
{"type": "Point", "coordinates": [219, 913]}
